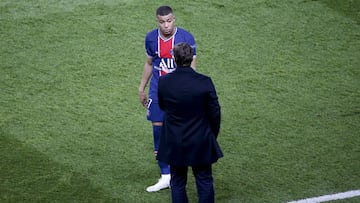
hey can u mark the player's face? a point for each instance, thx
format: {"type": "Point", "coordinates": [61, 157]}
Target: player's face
{"type": "Point", "coordinates": [166, 24]}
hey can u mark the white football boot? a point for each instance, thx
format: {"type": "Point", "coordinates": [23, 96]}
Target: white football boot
{"type": "Point", "coordinates": [164, 182]}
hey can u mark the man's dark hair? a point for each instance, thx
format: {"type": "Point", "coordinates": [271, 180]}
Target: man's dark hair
{"type": "Point", "coordinates": [183, 54]}
{"type": "Point", "coordinates": [163, 11]}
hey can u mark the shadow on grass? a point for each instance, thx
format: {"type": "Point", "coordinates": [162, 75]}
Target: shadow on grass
{"type": "Point", "coordinates": [29, 176]}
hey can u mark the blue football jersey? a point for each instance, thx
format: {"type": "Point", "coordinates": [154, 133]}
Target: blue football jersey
{"type": "Point", "coordinates": [161, 52]}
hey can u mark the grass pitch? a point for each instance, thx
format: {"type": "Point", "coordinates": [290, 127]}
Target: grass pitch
{"type": "Point", "coordinates": [72, 129]}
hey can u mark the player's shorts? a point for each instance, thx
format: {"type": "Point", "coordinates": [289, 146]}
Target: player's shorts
{"type": "Point", "coordinates": [154, 113]}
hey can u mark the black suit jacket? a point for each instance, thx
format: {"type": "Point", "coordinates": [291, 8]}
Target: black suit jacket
{"type": "Point", "coordinates": [192, 119]}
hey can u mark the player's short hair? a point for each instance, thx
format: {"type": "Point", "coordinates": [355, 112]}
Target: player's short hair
{"type": "Point", "coordinates": [183, 54]}
{"type": "Point", "coordinates": [163, 11]}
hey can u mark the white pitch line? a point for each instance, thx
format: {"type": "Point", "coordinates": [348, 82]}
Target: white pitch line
{"type": "Point", "coordinates": [325, 198]}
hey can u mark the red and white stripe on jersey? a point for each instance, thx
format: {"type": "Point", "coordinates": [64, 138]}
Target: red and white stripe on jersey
{"type": "Point", "coordinates": [165, 47]}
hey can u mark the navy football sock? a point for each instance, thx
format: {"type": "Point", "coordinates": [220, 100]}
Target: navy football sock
{"type": "Point", "coordinates": [164, 168]}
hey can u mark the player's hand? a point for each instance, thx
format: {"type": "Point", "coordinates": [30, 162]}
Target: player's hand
{"type": "Point", "coordinates": [143, 99]}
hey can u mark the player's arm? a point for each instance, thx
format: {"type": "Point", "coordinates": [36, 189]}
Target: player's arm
{"type": "Point", "coordinates": [147, 71]}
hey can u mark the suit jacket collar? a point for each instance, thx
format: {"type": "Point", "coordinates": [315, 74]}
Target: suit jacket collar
{"type": "Point", "coordinates": [184, 69]}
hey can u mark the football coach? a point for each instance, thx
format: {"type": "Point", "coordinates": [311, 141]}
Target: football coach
{"type": "Point", "coordinates": [191, 126]}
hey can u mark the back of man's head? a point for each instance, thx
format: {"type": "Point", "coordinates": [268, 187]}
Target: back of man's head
{"type": "Point", "coordinates": [183, 54]}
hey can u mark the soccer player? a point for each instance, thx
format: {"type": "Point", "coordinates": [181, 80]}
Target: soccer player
{"type": "Point", "coordinates": [159, 61]}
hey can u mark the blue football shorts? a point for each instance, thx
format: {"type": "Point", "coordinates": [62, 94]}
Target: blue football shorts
{"type": "Point", "coordinates": [154, 113]}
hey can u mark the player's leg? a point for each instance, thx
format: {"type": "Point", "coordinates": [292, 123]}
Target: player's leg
{"type": "Point", "coordinates": [164, 181]}
{"type": "Point", "coordinates": [164, 168]}
{"type": "Point", "coordinates": [156, 116]}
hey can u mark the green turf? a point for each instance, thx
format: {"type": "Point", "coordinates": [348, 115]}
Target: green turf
{"type": "Point", "coordinates": [72, 129]}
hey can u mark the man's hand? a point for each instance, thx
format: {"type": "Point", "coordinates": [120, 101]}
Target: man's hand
{"type": "Point", "coordinates": [143, 99]}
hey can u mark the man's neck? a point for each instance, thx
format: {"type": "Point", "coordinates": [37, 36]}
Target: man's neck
{"type": "Point", "coordinates": [166, 37]}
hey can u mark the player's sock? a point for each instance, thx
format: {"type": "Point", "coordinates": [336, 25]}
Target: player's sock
{"type": "Point", "coordinates": [164, 168]}
{"type": "Point", "coordinates": [164, 181]}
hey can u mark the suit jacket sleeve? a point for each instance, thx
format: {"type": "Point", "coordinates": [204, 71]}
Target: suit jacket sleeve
{"type": "Point", "coordinates": [213, 109]}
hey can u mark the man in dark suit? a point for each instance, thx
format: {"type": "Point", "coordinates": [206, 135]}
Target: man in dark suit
{"type": "Point", "coordinates": [191, 126]}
